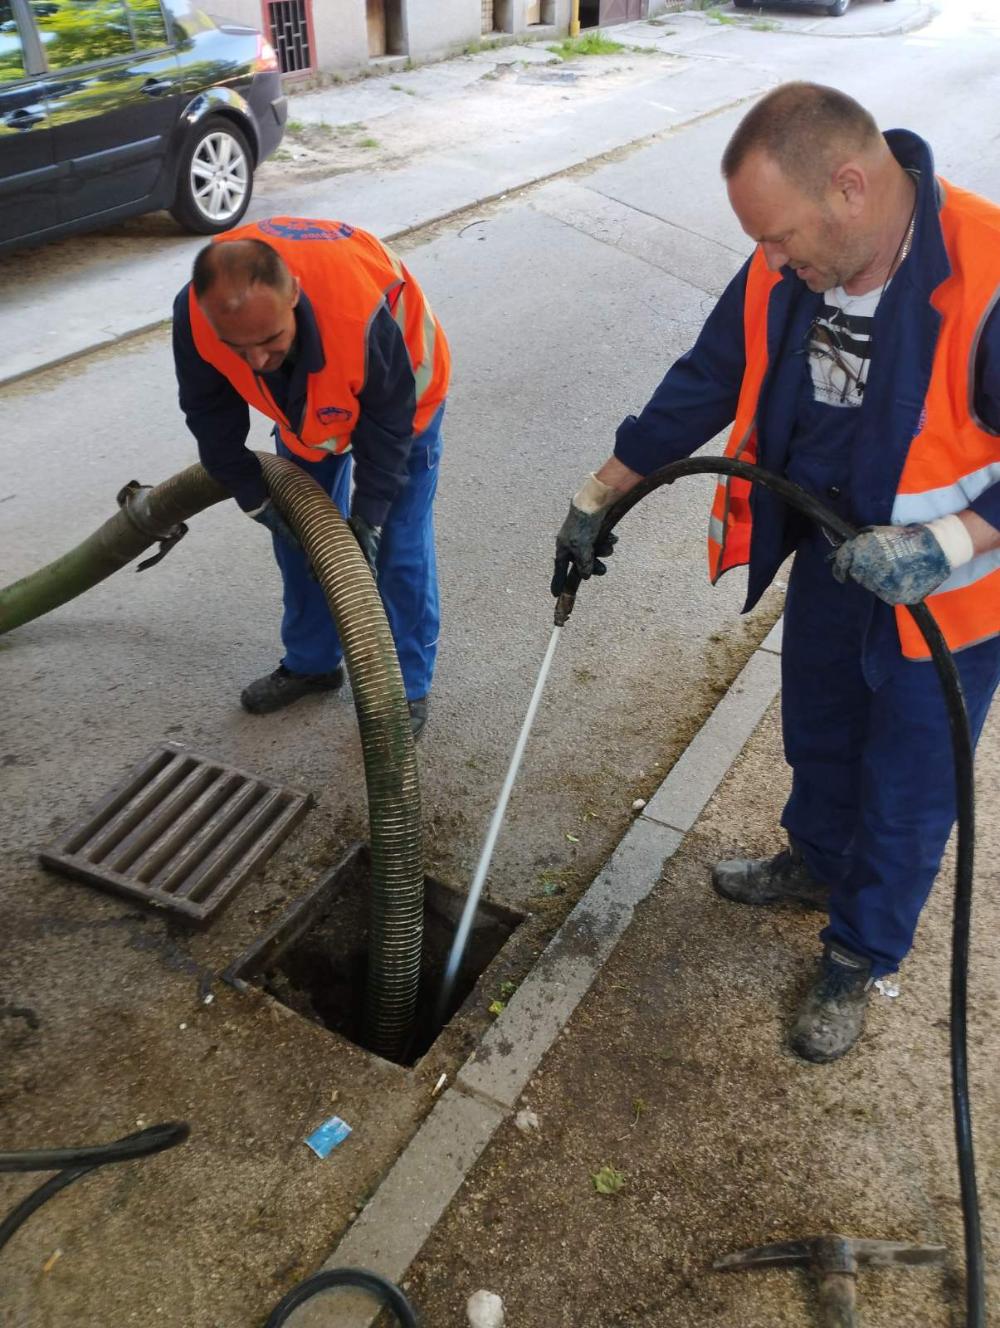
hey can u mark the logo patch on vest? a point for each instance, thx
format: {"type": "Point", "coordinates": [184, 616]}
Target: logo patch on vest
{"type": "Point", "coordinates": [299, 228]}
{"type": "Point", "coordinates": [331, 414]}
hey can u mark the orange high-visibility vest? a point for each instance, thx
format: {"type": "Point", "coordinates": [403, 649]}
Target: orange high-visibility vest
{"type": "Point", "coordinates": [952, 458]}
{"type": "Point", "coordinates": [347, 275]}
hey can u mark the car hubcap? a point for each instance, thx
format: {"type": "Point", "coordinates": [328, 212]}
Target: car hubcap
{"type": "Point", "coordinates": [219, 174]}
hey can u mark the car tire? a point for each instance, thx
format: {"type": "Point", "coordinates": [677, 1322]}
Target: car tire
{"type": "Point", "coordinates": [837, 8]}
{"type": "Point", "coordinates": [214, 177]}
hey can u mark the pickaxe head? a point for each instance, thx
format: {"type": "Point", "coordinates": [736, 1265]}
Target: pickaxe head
{"type": "Point", "coordinates": [832, 1254]}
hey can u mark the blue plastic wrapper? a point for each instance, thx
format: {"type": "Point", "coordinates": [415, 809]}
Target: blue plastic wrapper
{"type": "Point", "coordinates": [326, 1138]}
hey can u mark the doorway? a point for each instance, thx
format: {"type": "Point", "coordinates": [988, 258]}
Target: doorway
{"type": "Point", "coordinates": [385, 28]}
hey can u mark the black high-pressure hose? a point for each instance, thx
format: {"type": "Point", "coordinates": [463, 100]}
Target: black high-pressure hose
{"type": "Point", "coordinates": [380, 1287]}
{"type": "Point", "coordinates": [961, 740]}
{"type": "Point", "coordinates": [72, 1163]}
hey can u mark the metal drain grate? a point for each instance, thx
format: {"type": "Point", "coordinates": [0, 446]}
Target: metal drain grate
{"type": "Point", "coordinates": [182, 832]}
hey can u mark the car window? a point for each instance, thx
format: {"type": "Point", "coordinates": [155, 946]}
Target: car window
{"type": "Point", "coordinates": [77, 32]}
{"type": "Point", "coordinates": [11, 52]}
{"type": "Point", "coordinates": [149, 28]}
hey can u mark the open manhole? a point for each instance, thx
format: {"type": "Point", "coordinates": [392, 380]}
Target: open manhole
{"type": "Point", "coordinates": [314, 959]}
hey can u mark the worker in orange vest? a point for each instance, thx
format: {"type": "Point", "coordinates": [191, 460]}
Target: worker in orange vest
{"type": "Point", "coordinates": [322, 329]}
{"type": "Point", "coordinates": [857, 352]}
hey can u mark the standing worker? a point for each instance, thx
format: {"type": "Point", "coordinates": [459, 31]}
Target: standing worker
{"type": "Point", "coordinates": [321, 328]}
{"type": "Point", "coordinates": [857, 352]}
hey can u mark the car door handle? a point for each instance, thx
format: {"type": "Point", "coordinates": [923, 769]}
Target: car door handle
{"type": "Point", "coordinates": [23, 119]}
{"type": "Point", "coordinates": [156, 87]}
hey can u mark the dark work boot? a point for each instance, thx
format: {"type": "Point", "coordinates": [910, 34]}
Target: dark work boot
{"type": "Point", "coordinates": [783, 879]}
{"type": "Point", "coordinates": [281, 688]}
{"type": "Point", "coordinates": [832, 1015]}
{"type": "Point", "coordinates": [418, 714]}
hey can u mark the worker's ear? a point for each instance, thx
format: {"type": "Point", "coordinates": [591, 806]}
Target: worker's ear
{"type": "Point", "coordinates": [850, 184]}
{"type": "Point", "coordinates": [296, 291]}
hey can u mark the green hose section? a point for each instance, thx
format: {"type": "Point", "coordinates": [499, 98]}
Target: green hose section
{"type": "Point", "coordinates": [396, 908]}
{"type": "Point", "coordinates": [114, 544]}
{"type": "Point", "coordinates": [396, 905]}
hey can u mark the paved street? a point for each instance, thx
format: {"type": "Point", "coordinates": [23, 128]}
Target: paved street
{"type": "Point", "coordinates": [564, 301]}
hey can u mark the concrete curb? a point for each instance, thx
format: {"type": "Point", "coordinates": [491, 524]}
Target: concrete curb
{"type": "Point", "coordinates": [417, 1189]}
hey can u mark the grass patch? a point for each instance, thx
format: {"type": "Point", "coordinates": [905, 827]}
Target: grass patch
{"type": "Point", "coordinates": [368, 143]}
{"type": "Point", "coordinates": [593, 43]}
{"type": "Point", "coordinates": [294, 127]}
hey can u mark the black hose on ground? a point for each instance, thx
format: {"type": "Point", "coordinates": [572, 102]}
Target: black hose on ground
{"type": "Point", "coordinates": [76, 1162]}
{"type": "Point", "coordinates": [396, 902]}
{"type": "Point", "coordinates": [961, 740]}
{"type": "Point", "coordinates": [386, 1292]}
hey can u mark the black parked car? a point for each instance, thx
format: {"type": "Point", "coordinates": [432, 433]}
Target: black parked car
{"type": "Point", "coordinates": [113, 107]}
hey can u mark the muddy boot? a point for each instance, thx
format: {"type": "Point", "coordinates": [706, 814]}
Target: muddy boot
{"type": "Point", "coordinates": [418, 714]}
{"type": "Point", "coordinates": [783, 879]}
{"type": "Point", "coordinates": [281, 688]}
{"type": "Point", "coordinates": [832, 1015]}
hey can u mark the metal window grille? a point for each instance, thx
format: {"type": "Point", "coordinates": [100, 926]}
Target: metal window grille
{"type": "Point", "coordinates": [288, 24]}
{"type": "Point", "coordinates": [487, 15]}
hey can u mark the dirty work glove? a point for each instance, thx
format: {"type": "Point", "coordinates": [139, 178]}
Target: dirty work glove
{"type": "Point", "coordinates": [268, 515]}
{"type": "Point", "coordinates": [575, 542]}
{"type": "Point", "coordinates": [369, 538]}
{"type": "Point", "coordinates": [904, 564]}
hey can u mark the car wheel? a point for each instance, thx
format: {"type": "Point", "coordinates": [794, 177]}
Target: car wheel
{"type": "Point", "coordinates": [215, 177]}
{"type": "Point", "coordinates": [837, 8]}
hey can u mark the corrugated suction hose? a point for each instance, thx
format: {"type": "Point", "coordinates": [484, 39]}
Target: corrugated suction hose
{"type": "Point", "coordinates": [156, 515]}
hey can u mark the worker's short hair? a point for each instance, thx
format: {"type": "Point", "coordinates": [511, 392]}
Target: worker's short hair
{"type": "Point", "coordinates": [248, 261]}
{"type": "Point", "coordinates": [804, 128]}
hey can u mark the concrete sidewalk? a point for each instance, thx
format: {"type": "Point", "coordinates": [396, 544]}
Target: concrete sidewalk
{"type": "Point", "coordinates": [456, 134]}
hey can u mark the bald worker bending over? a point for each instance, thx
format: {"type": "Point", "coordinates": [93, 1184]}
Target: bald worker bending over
{"type": "Point", "coordinates": [322, 329]}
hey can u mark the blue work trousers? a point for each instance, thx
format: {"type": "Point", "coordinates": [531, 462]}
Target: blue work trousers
{"type": "Point", "coordinates": [873, 789]}
{"type": "Point", "coordinates": [407, 571]}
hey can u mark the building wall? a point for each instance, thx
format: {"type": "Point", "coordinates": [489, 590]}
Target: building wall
{"type": "Point", "coordinates": [510, 15]}
{"type": "Point", "coordinates": [437, 27]}
{"type": "Point", "coordinates": [340, 31]}
{"type": "Point", "coordinates": [432, 28]}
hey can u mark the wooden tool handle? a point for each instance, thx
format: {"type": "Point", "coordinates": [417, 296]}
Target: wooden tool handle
{"type": "Point", "coordinates": [838, 1301]}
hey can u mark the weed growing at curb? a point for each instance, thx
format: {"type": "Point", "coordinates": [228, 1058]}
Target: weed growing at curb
{"type": "Point", "coordinates": [591, 44]}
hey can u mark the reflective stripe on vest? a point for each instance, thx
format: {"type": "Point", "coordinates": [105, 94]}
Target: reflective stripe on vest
{"type": "Point", "coordinates": [423, 367]}
{"type": "Point", "coordinates": [348, 275]}
{"type": "Point", "coordinates": [951, 460]}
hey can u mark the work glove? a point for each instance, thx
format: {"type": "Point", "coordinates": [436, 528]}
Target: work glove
{"type": "Point", "coordinates": [368, 537]}
{"type": "Point", "coordinates": [576, 541]}
{"type": "Point", "coordinates": [904, 564]}
{"type": "Point", "coordinates": [268, 515]}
